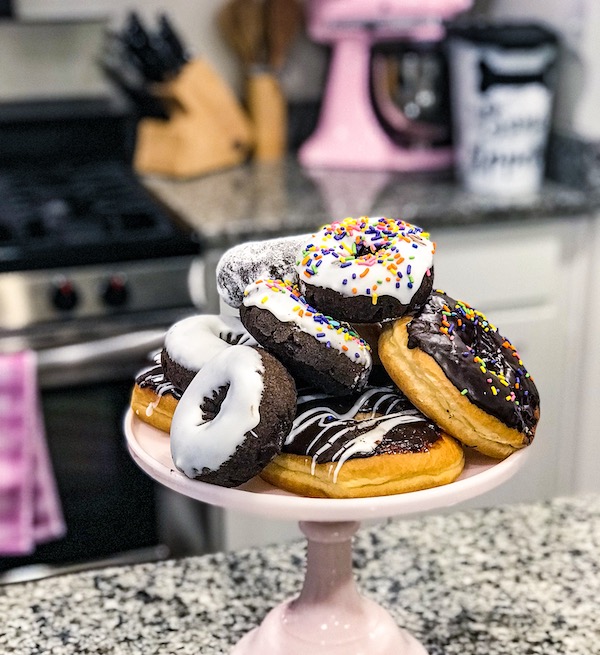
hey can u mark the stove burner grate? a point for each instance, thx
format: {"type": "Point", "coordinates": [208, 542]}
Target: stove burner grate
{"type": "Point", "coordinates": [79, 214]}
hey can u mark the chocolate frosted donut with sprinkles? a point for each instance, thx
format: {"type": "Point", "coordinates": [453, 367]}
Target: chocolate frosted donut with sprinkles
{"type": "Point", "coordinates": [373, 444]}
{"type": "Point", "coordinates": [367, 270]}
{"type": "Point", "coordinates": [457, 368]}
{"type": "Point", "coordinates": [316, 348]}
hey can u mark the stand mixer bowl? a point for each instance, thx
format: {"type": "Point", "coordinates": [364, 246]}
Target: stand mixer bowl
{"type": "Point", "coordinates": [351, 132]}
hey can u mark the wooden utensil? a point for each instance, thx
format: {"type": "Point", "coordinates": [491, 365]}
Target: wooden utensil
{"type": "Point", "coordinates": [259, 32]}
{"type": "Point", "coordinates": [283, 20]}
{"type": "Point", "coordinates": [242, 26]}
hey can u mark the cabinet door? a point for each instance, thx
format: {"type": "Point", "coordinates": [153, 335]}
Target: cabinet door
{"type": "Point", "coordinates": [531, 331]}
{"type": "Point", "coordinates": [530, 281]}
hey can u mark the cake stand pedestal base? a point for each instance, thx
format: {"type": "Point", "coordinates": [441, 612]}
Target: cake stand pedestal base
{"type": "Point", "coordinates": [329, 617]}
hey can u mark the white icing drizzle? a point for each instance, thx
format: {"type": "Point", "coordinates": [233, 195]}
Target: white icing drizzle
{"type": "Point", "coordinates": [196, 442]}
{"type": "Point", "coordinates": [195, 340]}
{"type": "Point", "coordinates": [286, 303]}
{"type": "Point", "coordinates": [335, 260]}
{"type": "Point", "coordinates": [324, 418]}
{"type": "Point", "coordinates": [154, 378]}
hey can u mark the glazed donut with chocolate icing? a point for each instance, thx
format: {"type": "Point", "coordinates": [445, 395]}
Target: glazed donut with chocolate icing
{"type": "Point", "coordinates": [154, 398]}
{"type": "Point", "coordinates": [193, 341]}
{"type": "Point", "coordinates": [247, 262]}
{"type": "Point", "coordinates": [375, 444]}
{"type": "Point", "coordinates": [454, 365]}
{"type": "Point", "coordinates": [367, 270]}
{"type": "Point", "coordinates": [233, 417]}
{"type": "Point", "coordinates": [316, 348]}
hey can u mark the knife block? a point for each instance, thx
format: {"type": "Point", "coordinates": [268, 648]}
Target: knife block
{"type": "Point", "coordinates": [207, 129]}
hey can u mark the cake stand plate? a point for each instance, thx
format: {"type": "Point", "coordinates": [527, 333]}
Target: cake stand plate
{"type": "Point", "coordinates": [329, 617]}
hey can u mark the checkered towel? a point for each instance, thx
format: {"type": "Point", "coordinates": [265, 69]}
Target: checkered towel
{"type": "Point", "coordinates": [30, 511]}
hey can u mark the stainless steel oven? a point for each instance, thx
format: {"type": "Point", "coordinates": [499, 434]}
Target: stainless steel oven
{"type": "Point", "coordinates": [92, 272]}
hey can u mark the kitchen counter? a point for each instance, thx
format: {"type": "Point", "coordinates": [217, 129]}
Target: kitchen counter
{"type": "Point", "coordinates": [257, 201]}
{"type": "Point", "coordinates": [522, 579]}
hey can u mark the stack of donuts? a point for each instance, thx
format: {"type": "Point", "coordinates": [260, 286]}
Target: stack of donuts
{"type": "Point", "coordinates": [339, 371]}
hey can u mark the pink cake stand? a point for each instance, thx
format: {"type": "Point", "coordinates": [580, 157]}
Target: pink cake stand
{"type": "Point", "coordinates": [329, 617]}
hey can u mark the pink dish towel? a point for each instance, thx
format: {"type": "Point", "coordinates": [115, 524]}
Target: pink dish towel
{"type": "Point", "coordinates": [30, 511]}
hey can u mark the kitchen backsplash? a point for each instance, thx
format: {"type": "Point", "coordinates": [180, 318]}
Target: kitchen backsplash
{"type": "Point", "coordinates": [54, 46]}
{"type": "Point", "coordinates": [41, 60]}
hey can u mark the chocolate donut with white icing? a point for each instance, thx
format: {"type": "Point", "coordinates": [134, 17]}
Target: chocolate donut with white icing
{"type": "Point", "coordinates": [193, 341]}
{"type": "Point", "coordinates": [316, 348]}
{"type": "Point", "coordinates": [367, 270]}
{"type": "Point", "coordinates": [233, 417]}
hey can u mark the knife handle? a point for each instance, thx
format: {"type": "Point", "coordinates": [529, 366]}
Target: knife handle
{"type": "Point", "coordinates": [267, 109]}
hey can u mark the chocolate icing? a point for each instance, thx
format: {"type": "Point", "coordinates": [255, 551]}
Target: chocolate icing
{"type": "Point", "coordinates": [479, 362]}
{"type": "Point", "coordinates": [154, 378]}
{"type": "Point", "coordinates": [325, 427]}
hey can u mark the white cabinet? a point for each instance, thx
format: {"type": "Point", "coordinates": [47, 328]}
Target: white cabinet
{"type": "Point", "coordinates": [531, 281]}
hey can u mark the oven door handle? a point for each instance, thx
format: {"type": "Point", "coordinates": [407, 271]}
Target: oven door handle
{"type": "Point", "coordinates": [96, 361]}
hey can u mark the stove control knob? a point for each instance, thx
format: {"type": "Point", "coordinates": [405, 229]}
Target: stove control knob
{"type": "Point", "coordinates": [64, 295]}
{"type": "Point", "coordinates": [115, 292]}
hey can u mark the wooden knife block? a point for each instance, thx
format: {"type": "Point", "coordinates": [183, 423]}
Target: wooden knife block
{"type": "Point", "coordinates": [207, 129]}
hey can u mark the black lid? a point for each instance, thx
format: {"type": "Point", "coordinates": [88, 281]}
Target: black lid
{"type": "Point", "coordinates": [505, 35]}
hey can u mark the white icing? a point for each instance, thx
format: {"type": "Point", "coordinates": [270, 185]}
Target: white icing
{"type": "Point", "coordinates": [196, 442]}
{"type": "Point", "coordinates": [404, 261]}
{"type": "Point", "coordinates": [288, 306]}
{"type": "Point", "coordinates": [247, 262]}
{"type": "Point", "coordinates": [195, 340]}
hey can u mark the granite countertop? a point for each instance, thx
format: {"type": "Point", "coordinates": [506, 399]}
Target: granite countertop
{"type": "Point", "coordinates": [523, 579]}
{"type": "Point", "coordinates": [257, 201]}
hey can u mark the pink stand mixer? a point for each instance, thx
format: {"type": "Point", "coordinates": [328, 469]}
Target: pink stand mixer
{"type": "Point", "coordinates": [349, 134]}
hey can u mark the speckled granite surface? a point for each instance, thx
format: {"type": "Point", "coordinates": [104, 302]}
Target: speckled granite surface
{"type": "Point", "coordinates": [517, 580]}
{"type": "Point", "coordinates": [261, 200]}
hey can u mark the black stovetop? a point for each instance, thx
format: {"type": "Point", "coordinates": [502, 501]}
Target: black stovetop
{"type": "Point", "coordinates": [85, 213]}
{"type": "Point", "coordinates": [69, 195]}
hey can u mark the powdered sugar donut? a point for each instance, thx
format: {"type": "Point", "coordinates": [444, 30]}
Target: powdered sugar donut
{"type": "Point", "coordinates": [269, 259]}
{"type": "Point", "coordinates": [193, 341]}
{"type": "Point", "coordinates": [317, 348]}
{"type": "Point", "coordinates": [233, 417]}
{"type": "Point", "coordinates": [367, 270]}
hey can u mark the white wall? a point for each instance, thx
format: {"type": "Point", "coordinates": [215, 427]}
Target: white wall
{"type": "Point", "coordinates": [48, 59]}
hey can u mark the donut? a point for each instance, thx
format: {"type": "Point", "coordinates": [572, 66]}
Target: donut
{"type": "Point", "coordinates": [374, 444]}
{"type": "Point", "coordinates": [154, 398]}
{"type": "Point", "coordinates": [233, 417]}
{"type": "Point", "coordinates": [367, 270]}
{"type": "Point", "coordinates": [316, 348]}
{"type": "Point", "coordinates": [194, 340]}
{"type": "Point", "coordinates": [247, 262]}
{"type": "Point", "coordinates": [454, 365]}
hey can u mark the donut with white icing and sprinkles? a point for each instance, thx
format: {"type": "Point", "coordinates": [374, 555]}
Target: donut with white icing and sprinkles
{"type": "Point", "coordinates": [367, 270]}
{"type": "Point", "coordinates": [193, 341]}
{"type": "Point", "coordinates": [456, 367]}
{"type": "Point", "coordinates": [316, 348]}
{"type": "Point", "coordinates": [233, 417]}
